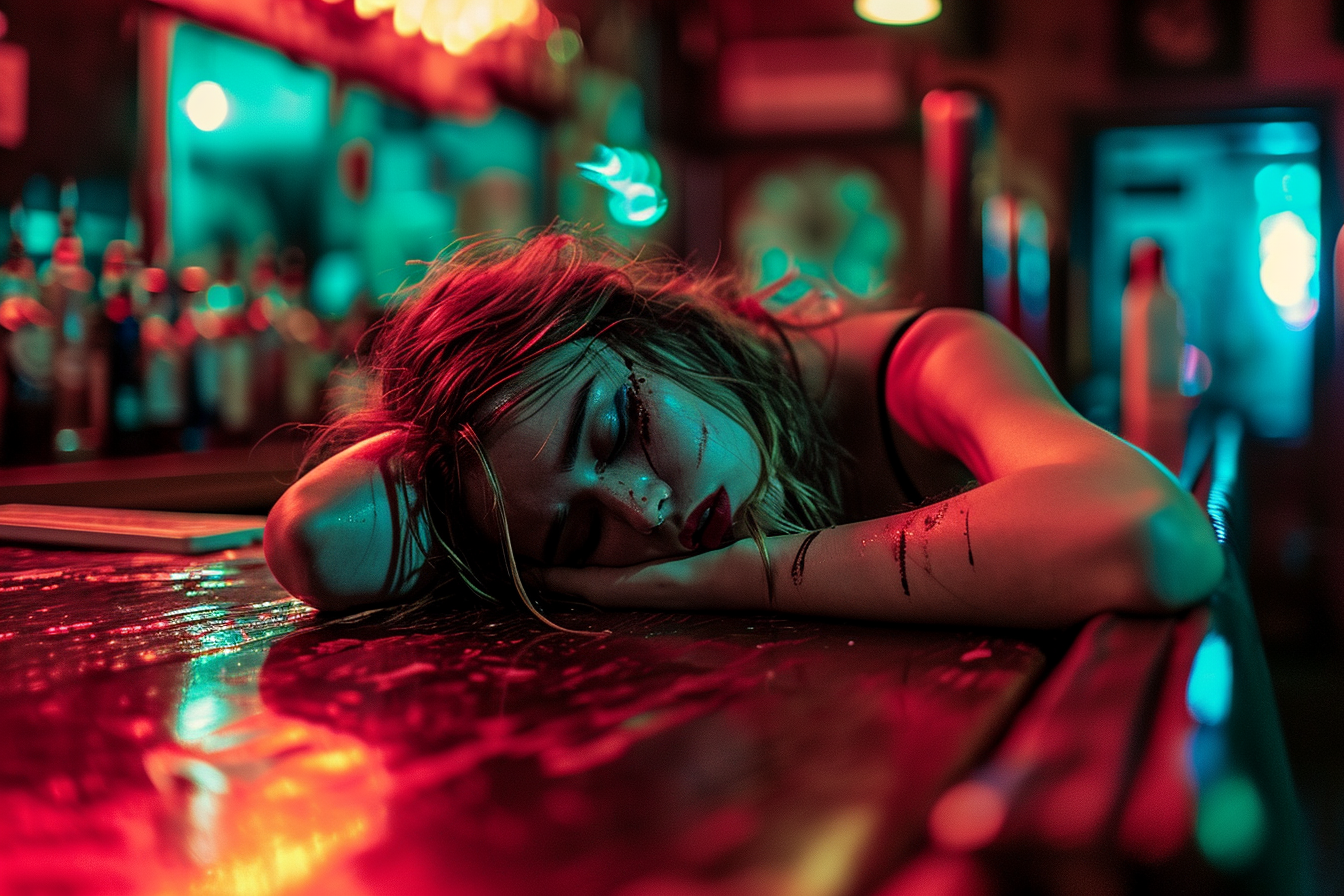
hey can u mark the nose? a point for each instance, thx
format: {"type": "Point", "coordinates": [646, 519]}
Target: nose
{"type": "Point", "coordinates": [643, 502]}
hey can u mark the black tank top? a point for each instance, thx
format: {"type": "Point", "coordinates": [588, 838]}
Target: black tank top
{"type": "Point", "coordinates": [898, 469]}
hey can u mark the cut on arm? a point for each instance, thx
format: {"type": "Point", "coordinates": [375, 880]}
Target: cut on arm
{"type": "Point", "coordinates": [1120, 525]}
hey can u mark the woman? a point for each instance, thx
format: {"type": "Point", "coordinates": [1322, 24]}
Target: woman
{"type": "Point", "coordinates": [630, 433]}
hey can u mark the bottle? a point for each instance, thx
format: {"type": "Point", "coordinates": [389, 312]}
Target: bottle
{"type": "Point", "coordinates": [266, 307]}
{"type": "Point", "coordinates": [198, 328]}
{"type": "Point", "coordinates": [306, 348]}
{"type": "Point", "coordinates": [1153, 411]}
{"type": "Point", "coordinates": [27, 346]}
{"type": "Point", "coordinates": [80, 407]}
{"type": "Point", "coordinates": [123, 307]}
{"type": "Point", "coordinates": [163, 373]}
{"type": "Point", "coordinates": [227, 298]}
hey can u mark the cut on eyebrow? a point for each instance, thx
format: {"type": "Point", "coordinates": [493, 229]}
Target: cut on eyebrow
{"type": "Point", "coordinates": [578, 410]}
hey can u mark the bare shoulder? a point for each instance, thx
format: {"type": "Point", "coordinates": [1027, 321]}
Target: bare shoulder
{"type": "Point", "coordinates": [968, 386]}
{"type": "Point", "coordinates": [842, 359]}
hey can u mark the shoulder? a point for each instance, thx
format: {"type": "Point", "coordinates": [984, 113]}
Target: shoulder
{"type": "Point", "coordinates": [845, 356]}
{"type": "Point", "coordinates": [961, 382]}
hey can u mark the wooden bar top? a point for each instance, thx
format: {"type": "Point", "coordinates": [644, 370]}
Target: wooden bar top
{"type": "Point", "coordinates": [182, 725]}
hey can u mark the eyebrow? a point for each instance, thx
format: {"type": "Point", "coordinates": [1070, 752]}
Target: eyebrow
{"type": "Point", "coordinates": [569, 452]}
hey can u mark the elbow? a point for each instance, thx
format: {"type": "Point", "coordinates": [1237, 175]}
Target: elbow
{"type": "Point", "coordinates": [1180, 561]}
{"type": "Point", "coordinates": [288, 545]}
{"type": "Point", "coordinates": [292, 544]}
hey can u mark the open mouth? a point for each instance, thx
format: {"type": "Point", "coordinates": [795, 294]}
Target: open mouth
{"type": "Point", "coordinates": [709, 523]}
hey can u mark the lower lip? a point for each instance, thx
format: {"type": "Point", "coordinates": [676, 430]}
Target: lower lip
{"type": "Point", "coordinates": [716, 526]}
{"type": "Point", "coordinates": [720, 521]}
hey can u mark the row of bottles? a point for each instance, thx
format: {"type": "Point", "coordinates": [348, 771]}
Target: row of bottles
{"type": "Point", "coordinates": [138, 360]}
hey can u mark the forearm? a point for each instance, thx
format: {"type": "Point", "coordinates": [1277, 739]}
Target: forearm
{"type": "Point", "coordinates": [1043, 547]}
{"type": "Point", "coordinates": [350, 532]}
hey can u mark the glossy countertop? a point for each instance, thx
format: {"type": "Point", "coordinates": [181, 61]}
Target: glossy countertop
{"type": "Point", "coordinates": [181, 725]}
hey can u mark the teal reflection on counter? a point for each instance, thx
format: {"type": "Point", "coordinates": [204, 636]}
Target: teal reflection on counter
{"type": "Point", "coordinates": [1230, 825]}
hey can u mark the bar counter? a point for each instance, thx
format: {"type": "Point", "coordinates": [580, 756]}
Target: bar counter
{"type": "Point", "coordinates": [182, 725]}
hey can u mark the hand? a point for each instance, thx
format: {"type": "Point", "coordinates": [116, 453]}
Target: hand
{"type": "Point", "coordinates": [731, 578]}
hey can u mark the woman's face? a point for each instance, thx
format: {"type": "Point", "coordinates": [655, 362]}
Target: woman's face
{"type": "Point", "coordinates": [616, 466]}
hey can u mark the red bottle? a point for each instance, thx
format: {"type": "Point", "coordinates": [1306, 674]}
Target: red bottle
{"type": "Point", "coordinates": [1153, 412]}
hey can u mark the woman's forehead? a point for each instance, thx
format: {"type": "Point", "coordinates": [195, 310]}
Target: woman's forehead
{"type": "Point", "coordinates": [550, 378]}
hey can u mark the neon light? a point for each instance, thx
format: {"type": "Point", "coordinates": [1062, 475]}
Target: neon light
{"type": "Point", "coordinates": [207, 106]}
{"type": "Point", "coordinates": [634, 180]}
{"type": "Point", "coordinates": [898, 12]}
{"type": "Point", "coordinates": [1282, 138]}
{"type": "Point", "coordinates": [1288, 254]}
{"type": "Point", "coordinates": [1208, 692]}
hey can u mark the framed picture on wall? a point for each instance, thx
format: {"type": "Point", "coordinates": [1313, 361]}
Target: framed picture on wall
{"type": "Point", "coordinates": [1181, 38]}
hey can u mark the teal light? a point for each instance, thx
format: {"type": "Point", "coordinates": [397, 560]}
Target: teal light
{"type": "Point", "coordinates": [1033, 261]}
{"type": "Point", "coordinates": [41, 227]}
{"type": "Point", "coordinates": [1230, 826]}
{"type": "Point", "coordinates": [1282, 138]}
{"type": "Point", "coordinates": [337, 279]}
{"type": "Point", "coordinates": [1208, 691]}
{"type": "Point", "coordinates": [634, 181]}
{"type": "Point", "coordinates": [225, 297]}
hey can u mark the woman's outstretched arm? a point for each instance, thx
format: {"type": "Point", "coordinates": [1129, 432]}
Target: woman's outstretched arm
{"type": "Point", "coordinates": [1068, 520]}
{"type": "Point", "coordinates": [350, 532]}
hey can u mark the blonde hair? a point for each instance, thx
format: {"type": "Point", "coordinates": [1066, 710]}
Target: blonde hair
{"type": "Point", "coordinates": [460, 353]}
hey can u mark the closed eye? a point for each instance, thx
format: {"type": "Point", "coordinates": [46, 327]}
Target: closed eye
{"type": "Point", "coordinates": [624, 402]}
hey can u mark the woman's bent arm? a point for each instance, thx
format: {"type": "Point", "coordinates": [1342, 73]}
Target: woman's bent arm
{"type": "Point", "coordinates": [1069, 520]}
{"type": "Point", "coordinates": [350, 532]}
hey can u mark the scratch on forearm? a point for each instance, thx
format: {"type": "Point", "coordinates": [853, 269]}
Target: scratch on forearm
{"type": "Point", "coordinates": [900, 559]}
{"type": "Point", "coordinates": [800, 558]}
{"type": "Point", "coordinates": [970, 555]}
{"type": "Point", "coordinates": [931, 521]}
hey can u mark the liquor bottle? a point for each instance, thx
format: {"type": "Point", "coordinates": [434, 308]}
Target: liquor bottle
{"type": "Point", "coordinates": [265, 309]}
{"type": "Point", "coordinates": [306, 350]}
{"type": "Point", "coordinates": [27, 345]}
{"type": "Point", "coordinates": [80, 409]}
{"type": "Point", "coordinates": [227, 298]}
{"type": "Point", "coordinates": [164, 357]}
{"type": "Point", "coordinates": [1153, 411]}
{"type": "Point", "coordinates": [197, 329]}
{"type": "Point", "coordinates": [123, 307]}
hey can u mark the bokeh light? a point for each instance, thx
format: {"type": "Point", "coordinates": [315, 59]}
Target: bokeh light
{"type": "Point", "coordinates": [968, 816]}
{"type": "Point", "coordinates": [898, 12]}
{"type": "Point", "coordinates": [1208, 691]}
{"type": "Point", "coordinates": [1230, 828]}
{"type": "Point", "coordinates": [207, 106]}
{"type": "Point", "coordinates": [564, 46]}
